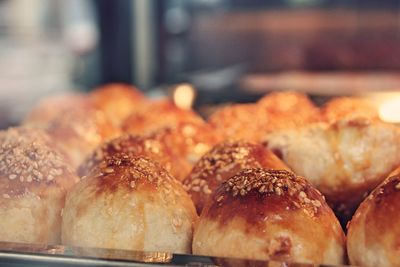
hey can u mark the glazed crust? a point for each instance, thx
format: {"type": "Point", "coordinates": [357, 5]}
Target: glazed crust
{"type": "Point", "coordinates": [132, 146]}
{"type": "Point", "coordinates": [221, 163]}
{"type": "Point", "coordinates": [348, 107]}
{"type": "Point", "coordinates": [118, 101]}
{"type": "Point", "coordinates": [240, 122]}
{"type": "Point", "coordinates": [129, 203]}
{"type": "Point", "coordinates": [34, 179]}
{"type": "Point", "coordinates": [273, 112]}
{"type": "Point", "coordinates": [373, 233]}
{"type": "Point", "coordinates": [158, 115]}
{"type": "Point", "coordinates": [280, 215]}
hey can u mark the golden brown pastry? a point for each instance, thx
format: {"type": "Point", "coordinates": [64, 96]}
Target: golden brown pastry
{"type": "Point", "coordinates": [79, 131]}
{"type": "Point", "coordinates": [187, 142]}
{"type": "Point", "coordinates": [240, 122]}
{"type": "Point", "coordinates": [118, 101]}
{"type": "Point", "coordinates": [221, 163]}
{"type": "Point", "coordinates": [129, 203]}
{"type": "Point", "coordinates": [48, 108]}
{"type": "Point", "coordinates": [158, 115]}
{"type": "Point", "coordinates": [274, 111]}
{"type": "Point", "coordinates": [34, 180]}
{"type": "Point", "coordinates": [269, 214]}
{"type": "Point", "coordinates": [348, 107]}
{"type": "Point", "coordinates": [131, 145]}
{"type": "Point", "coordinates": [290, 102]}
{"type": "Point", "coordinates": [345, 160]}
{"type": "Point", "coordinates": [373, 235]}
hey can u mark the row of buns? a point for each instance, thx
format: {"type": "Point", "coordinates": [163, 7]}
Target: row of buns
{"type": "Point", "coordinates": [115, 169]}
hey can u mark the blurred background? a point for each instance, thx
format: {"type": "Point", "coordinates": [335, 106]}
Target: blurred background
{"type": "Point", "coordinates": [229, 50]}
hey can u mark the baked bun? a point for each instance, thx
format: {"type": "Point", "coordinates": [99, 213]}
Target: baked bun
{"type": "Point", "coordinates": [34, 180]}
{"type": "Point", "coordinates": [79, 131]}
{"type": "Point", "coordinates": [132, 146]}
{"type": "Point", "coordinates": [269, 214]}
{"type": "Point", "coordinates": [373, 234]}
{"type": "Point", "coordinates": [158, 115]}
{"type": "Point", "coordinates": [345, 160]}
{"type": "Point", "coordinates": [221, 163]}
{"type": "Point", "coordinates": [294, 103]}
{"type": "Point", "coordinates": [187, 143]}
{"type": "Point", "coordinates": [271, 113]}
{"type": "Point", "coordinates": [348, 107]}
{"type": "Point", "coordinates": [240, 122]}
{"type": "Point", "coordinates": [118, 101]}
{"type": "Point", "coordinates": [129, 203]}
{"type": "Point", "coordinates": [50, 107]}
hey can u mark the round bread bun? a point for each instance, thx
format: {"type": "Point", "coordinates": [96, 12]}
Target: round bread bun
{"type": "Point", "coordinates": [187, 143]}
{"type": "Point", "coordinates": [345, 160]}
{"type": "Point", "coordinates": [269, 214]}
{"type": "Point", "coordinates": [290, 102]}
{"type": "Point", "coordinates": [132, 146]}
{"type": "Point", "coordinates": [79, 131]}
{"type": "Point", "coordinates": [240, 122]}
{"type": "Point", "coordinates": [129, 203]}
{"type": "Point", "coordinates": [221, 163]}
{"type": "Point", "coordinates": [50, 107]}
{"type": "Point", "coordinates": [158, 115]}
{"type": "Point", "coordinates": [373, 235]}
{"type": "Point", "coordinates": [34, 180]}
{"type": "Point", "coordinates": [118, 101]}
{"type": "Point", "coordinates": [348, 107]}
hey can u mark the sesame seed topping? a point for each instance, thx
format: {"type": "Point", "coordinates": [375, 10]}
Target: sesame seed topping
{"type": "Point", "coordinates": [397, 186]}
{"type": "Point", "coordinates": [218, 162]}
{"type": "Point", "coordinates": [27, 155]}
{"type": "Point", "coordinates": [272, 182]}
{"type": "Point", "coordinates": [129, 146]}
{"type": "Point", "coordinates": [120, 169]}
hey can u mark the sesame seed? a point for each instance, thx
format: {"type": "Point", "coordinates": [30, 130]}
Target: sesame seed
{"type": "Point", "coordinates": [109, 170]}
{"type": "Point", "coordinates": [12, 176]}
{"type": "Point", "coordinates": [397, 186]}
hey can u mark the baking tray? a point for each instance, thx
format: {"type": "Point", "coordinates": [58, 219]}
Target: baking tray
{"type": "Point", "coordinates": [20, 254]}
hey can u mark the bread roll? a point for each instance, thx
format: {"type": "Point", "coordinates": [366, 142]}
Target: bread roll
{"type": "Point", "coordinates": [221, 163]}
{"type": "Point", "coordinates": [269, 214]}
{"type": "Point", "coordinates": [34, 180]}
{"type": "Point", "coordinates": [50, 107]}
{"type": "Point", "coordinates": [373, 233]}
{"type": "Point", "coordinates": [289, 103]}
{"type": "Point", "coordinates": [187, 142]}
{"type": "Point", "coordinates": [240, 122]}
{"type": "Point", "coordinates": [118, 101]}
{"type": "Point", "coordinates": [348, 107]}
{"type": "Point", "coordinates": [129, 203]}
{"type": "Point", "coordinates": [273, 112]}
{"type": "Point", "coordinates": [158, 115]}
{"type": "Point", "coordinates": [79, 131]}
{"type": "Point", "coordinates": [132, 146]}
{"type": "Point", "coordinates": [345, 160]}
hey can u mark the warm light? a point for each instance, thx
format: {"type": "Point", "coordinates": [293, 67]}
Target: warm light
{"type": "Point", "coordinates": [184, 95]}
{"type": "Point", "coordinates": [389, 110]}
